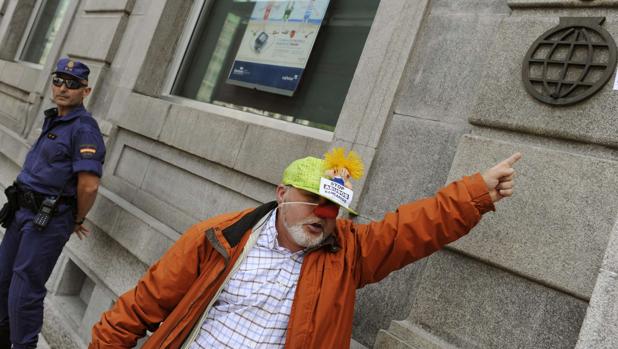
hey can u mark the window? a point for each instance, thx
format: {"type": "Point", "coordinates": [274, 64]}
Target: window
{"type": "Point", "coordinates": [205, 66]}
{"type": "Point", "coordinates": [43, 31]}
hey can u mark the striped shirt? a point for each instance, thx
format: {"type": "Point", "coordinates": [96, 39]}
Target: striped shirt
{"type": "Point", "coordinates": [253, 309]}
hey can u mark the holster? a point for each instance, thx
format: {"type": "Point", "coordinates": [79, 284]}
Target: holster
{"type": "Point", "coordinates": [7, 213]}
{"type": "Point", "coordinates": [21, 197]}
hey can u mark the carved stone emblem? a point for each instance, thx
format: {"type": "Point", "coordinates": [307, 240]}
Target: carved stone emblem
{"type": "Point", "coordinates": [570, 62]}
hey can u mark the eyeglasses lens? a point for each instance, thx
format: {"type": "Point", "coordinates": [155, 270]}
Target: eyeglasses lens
{"type": "Point", "coordinates": [69, 83]}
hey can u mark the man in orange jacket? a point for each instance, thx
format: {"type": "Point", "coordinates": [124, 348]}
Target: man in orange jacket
{"type": "Point", "coordinates": [285, 274]}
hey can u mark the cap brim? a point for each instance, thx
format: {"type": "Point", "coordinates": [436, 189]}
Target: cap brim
{"type": "Point", "coordinates": [69, 74]}
{"type": "Point", "coordinates": [316, 192]}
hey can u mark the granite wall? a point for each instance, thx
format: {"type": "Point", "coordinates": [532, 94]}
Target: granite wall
{"type": "Point", "coordinates": [531, 272]}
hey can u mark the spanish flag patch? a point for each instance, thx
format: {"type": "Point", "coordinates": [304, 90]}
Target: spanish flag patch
{"type": "Point", "coordinates": [87, 152]}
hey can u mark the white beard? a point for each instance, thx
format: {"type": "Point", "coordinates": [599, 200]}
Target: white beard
{"type": "Point", "coordinates": [301, 237]}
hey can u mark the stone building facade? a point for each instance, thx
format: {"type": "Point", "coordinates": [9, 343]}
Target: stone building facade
{"type": "Point", "coordinates": [435, 92]}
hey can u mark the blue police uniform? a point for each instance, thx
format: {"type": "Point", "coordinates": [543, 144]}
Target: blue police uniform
{"type": "Point", "coordinates": [68, 144]}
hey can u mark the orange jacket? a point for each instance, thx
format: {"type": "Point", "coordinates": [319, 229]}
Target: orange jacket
{"type": "Point", "coordinates": [170, 298]}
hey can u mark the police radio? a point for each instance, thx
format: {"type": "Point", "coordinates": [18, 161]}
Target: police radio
{"type": "Point", "coordinates": [46, 211]}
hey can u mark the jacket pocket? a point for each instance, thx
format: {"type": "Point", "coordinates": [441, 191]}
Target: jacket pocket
{"type": "Point", "coordinates": [53, 151]}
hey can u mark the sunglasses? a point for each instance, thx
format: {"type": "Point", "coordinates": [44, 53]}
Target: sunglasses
{"type": "Point", "coordinates": [71, 84]}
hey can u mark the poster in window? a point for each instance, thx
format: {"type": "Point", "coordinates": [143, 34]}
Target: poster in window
{"type": "Point", "coordinates": [275, 47]}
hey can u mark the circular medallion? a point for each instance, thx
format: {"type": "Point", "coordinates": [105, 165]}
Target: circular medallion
{"type": "Point", "coordinates": [570, 62]}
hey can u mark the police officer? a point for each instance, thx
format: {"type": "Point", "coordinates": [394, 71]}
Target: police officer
{"type": "Point", "coordinates": [51, 197]}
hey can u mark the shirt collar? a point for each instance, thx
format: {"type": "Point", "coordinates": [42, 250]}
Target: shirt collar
{"type": "Point", "coordinates": [74, 113]}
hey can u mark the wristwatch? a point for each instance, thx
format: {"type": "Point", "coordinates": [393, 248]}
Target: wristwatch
{"type": "Point", "coordinates": [81, 221]}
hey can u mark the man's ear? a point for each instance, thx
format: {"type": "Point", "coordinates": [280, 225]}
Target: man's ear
{"type": "Point", "coordinates": [281, 190]}
{"type": "Point", "coordinates": [87, 91]}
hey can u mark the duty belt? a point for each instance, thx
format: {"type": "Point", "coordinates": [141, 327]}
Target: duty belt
{"type": "Point", "coordinates": [32, 200]}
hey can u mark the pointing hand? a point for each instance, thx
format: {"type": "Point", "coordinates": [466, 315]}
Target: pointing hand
{"type": "Point", "coordinates": [499, 179]}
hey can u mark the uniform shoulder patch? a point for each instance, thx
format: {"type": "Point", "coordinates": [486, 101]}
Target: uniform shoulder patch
{"type": "Point", "coordinates": [87, 150]}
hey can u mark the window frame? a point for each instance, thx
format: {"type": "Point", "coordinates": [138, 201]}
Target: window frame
{"type": "Point", "coordinates": [183, 49]}
{"type": "Point", "coordinates": [373, 91]}
{"type": "Point", "coordinates": [22, 44]}
{"type": "Point", "coordinates": [34, 16]}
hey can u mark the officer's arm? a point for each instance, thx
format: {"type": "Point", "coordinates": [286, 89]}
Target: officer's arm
{"type": "Point", "coordinates": [87, 187]}
{"type": "Point", "coordinates": [88, 157]}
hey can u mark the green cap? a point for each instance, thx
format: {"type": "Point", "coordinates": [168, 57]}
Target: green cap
{"type": "Point", "coordinates": [306, 174]}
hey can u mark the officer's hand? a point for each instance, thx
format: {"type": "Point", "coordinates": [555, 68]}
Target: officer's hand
{"type": "Point", "coordinates": [499, 179]}
{"type": "Point", "coordinates": [81, 231]}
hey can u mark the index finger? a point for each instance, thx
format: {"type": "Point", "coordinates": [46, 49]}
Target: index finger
{"type": "Point", "coordinates": [511, 160]}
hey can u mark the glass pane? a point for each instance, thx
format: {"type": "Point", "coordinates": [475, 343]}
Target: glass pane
{"type": "Point", "coordinates": [324, 84]}
{"type": "Point", "coordinates": [44, 31]}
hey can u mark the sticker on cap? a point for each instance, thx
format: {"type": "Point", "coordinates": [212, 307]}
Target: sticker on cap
{"type": "Point", "coordinates": [336, 192]}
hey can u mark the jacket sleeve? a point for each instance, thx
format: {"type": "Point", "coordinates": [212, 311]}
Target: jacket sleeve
{"type": "Point", "coordinates": [156, 294]}
{"type": "Point", "coordinates": [418, 229]}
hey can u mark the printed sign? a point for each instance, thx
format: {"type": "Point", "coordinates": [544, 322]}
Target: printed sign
{"type": "Point", "coordinates": [276, 45]}
{"type": "Point", "coordinates": [336, 192]}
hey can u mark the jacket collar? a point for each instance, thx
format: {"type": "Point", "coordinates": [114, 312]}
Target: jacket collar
{"type": "Point", "coordinates": [234, 233]}
{"type": "Point", "coordinates": [74, 113]}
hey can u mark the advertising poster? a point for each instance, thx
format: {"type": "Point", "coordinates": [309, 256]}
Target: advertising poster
{"type": "Point", "coordinates": [276, 45]}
